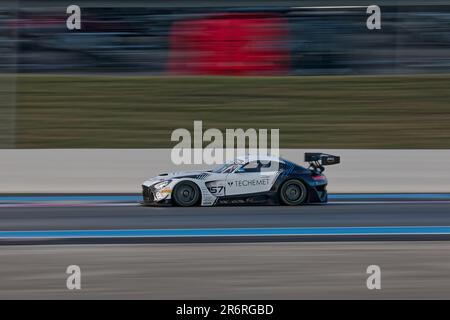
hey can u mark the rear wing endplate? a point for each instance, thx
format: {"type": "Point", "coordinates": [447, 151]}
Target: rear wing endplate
{"type": "Point", "coordinates": [318, 160]}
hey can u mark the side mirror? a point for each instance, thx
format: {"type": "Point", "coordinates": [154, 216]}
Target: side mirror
{"type": "Point", "coordinates": [240, 170]}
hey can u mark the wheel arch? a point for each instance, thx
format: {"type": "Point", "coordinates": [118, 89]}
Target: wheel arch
{"type": "Point", "coordinates": [197, 185]}
{"type": "Point", "coordinates": [295, 178]}
{"type": "Point", "coordinates": [283, 179]}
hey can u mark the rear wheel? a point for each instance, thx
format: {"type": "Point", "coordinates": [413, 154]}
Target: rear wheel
{"type": "Point", "coordinates": [186, 194]}
{"type": "Point", "coordinates": [293, 192]}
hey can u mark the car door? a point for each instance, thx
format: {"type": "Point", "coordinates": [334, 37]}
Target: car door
{"type": "Point", "coordinates": [252, 177]}
{"type": "Point", "coordinates": [217, 180]}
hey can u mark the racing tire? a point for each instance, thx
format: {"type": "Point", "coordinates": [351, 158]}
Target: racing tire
{"type": "Point", "coordinates": [293, 193]}
{"type": "Point", "coordinates": [186, 194]}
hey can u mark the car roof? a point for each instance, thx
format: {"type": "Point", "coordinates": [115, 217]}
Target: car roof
{"type": "Point", "coordinates": [250, 158]}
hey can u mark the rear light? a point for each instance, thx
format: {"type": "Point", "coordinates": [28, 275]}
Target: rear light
{"type": "Point", "coordinates": [319, 177]}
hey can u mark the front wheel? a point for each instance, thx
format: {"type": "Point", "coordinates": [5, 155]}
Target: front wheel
{"type": "Point", "coordinates": [186, 194]}
{"type": "Point", "coordinates": [293, 192]}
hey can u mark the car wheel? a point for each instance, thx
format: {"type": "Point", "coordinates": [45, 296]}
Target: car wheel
{"type": "Point", "coordinates": [293, 192]}
{"type": "Point", "coordinates": [186, 194]}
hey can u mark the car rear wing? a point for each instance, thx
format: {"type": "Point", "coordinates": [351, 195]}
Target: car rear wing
{"type": "Point", "coordinates": [317, 161]}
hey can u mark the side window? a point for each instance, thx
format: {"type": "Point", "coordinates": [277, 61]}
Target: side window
{"type": "Point", "coordinates": [270, 166]}
{"type": "Point", "coordinates": [231, 168]}
{"type": "Point", "coordinates": [253, 166]}
{"type": "Point", "coordinates": [262, 166]}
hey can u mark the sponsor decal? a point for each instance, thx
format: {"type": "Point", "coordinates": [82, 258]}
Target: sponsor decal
{"type": "Point", "coordinates": [217, 190]}
{"type": "Point", "coordinates": [252, 182]}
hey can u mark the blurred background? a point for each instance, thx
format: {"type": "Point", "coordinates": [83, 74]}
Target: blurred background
{"type": "Point", "coordinates": [225, 38]}
{"type": "Point", "coordinates": [137, 71]}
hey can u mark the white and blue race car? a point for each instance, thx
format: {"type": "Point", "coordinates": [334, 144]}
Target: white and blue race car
{"type": "Point", "coordinates": [245, 180]}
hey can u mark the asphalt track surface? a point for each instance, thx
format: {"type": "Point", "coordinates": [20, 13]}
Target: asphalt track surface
{"type": "Point", "coordinates": [289, 270]}
{"type": "Point", "coordinates": [329, 264]}
{"type": "Point", "coordinates": [373, 218]}
{"type": "Point", "coordinates": [136, 217]}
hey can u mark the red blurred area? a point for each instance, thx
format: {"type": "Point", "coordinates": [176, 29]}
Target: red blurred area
{"type": "Point", "coordinates": [230, 44]}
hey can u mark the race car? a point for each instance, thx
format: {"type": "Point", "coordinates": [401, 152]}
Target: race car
{"type": "Point", "coordinates": [245, 180]}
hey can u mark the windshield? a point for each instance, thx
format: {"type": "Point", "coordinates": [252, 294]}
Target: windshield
{"type": "Point", "coordinates": [225, 168]}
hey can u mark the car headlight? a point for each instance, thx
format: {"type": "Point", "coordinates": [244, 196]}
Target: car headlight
{"type": "Point", "coordinates": [161, 185]}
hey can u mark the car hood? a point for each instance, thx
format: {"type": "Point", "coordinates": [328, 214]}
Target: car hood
{"type": "Point", "coordinates": [177, 175]}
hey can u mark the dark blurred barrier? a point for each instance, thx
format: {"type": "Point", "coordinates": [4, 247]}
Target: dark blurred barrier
{"type": "Point", "coordinates": [413, 39]}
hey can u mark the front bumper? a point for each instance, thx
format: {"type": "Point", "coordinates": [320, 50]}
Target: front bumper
{"type": "Point", "coordinates": [149, 197]}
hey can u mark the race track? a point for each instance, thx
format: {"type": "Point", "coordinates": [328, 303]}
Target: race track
{"type": "Point", "coordinates": [123, 222]}
{"type": "Point", "coordinates": [313, 251]}
{"type": "Point", "coordinates": [289, 270]}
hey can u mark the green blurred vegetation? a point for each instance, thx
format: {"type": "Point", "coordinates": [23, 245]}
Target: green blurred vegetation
{"type": "Point", "coordinates": [7, 111]}
{"type": "Point", "coordinates": [311, 112]}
